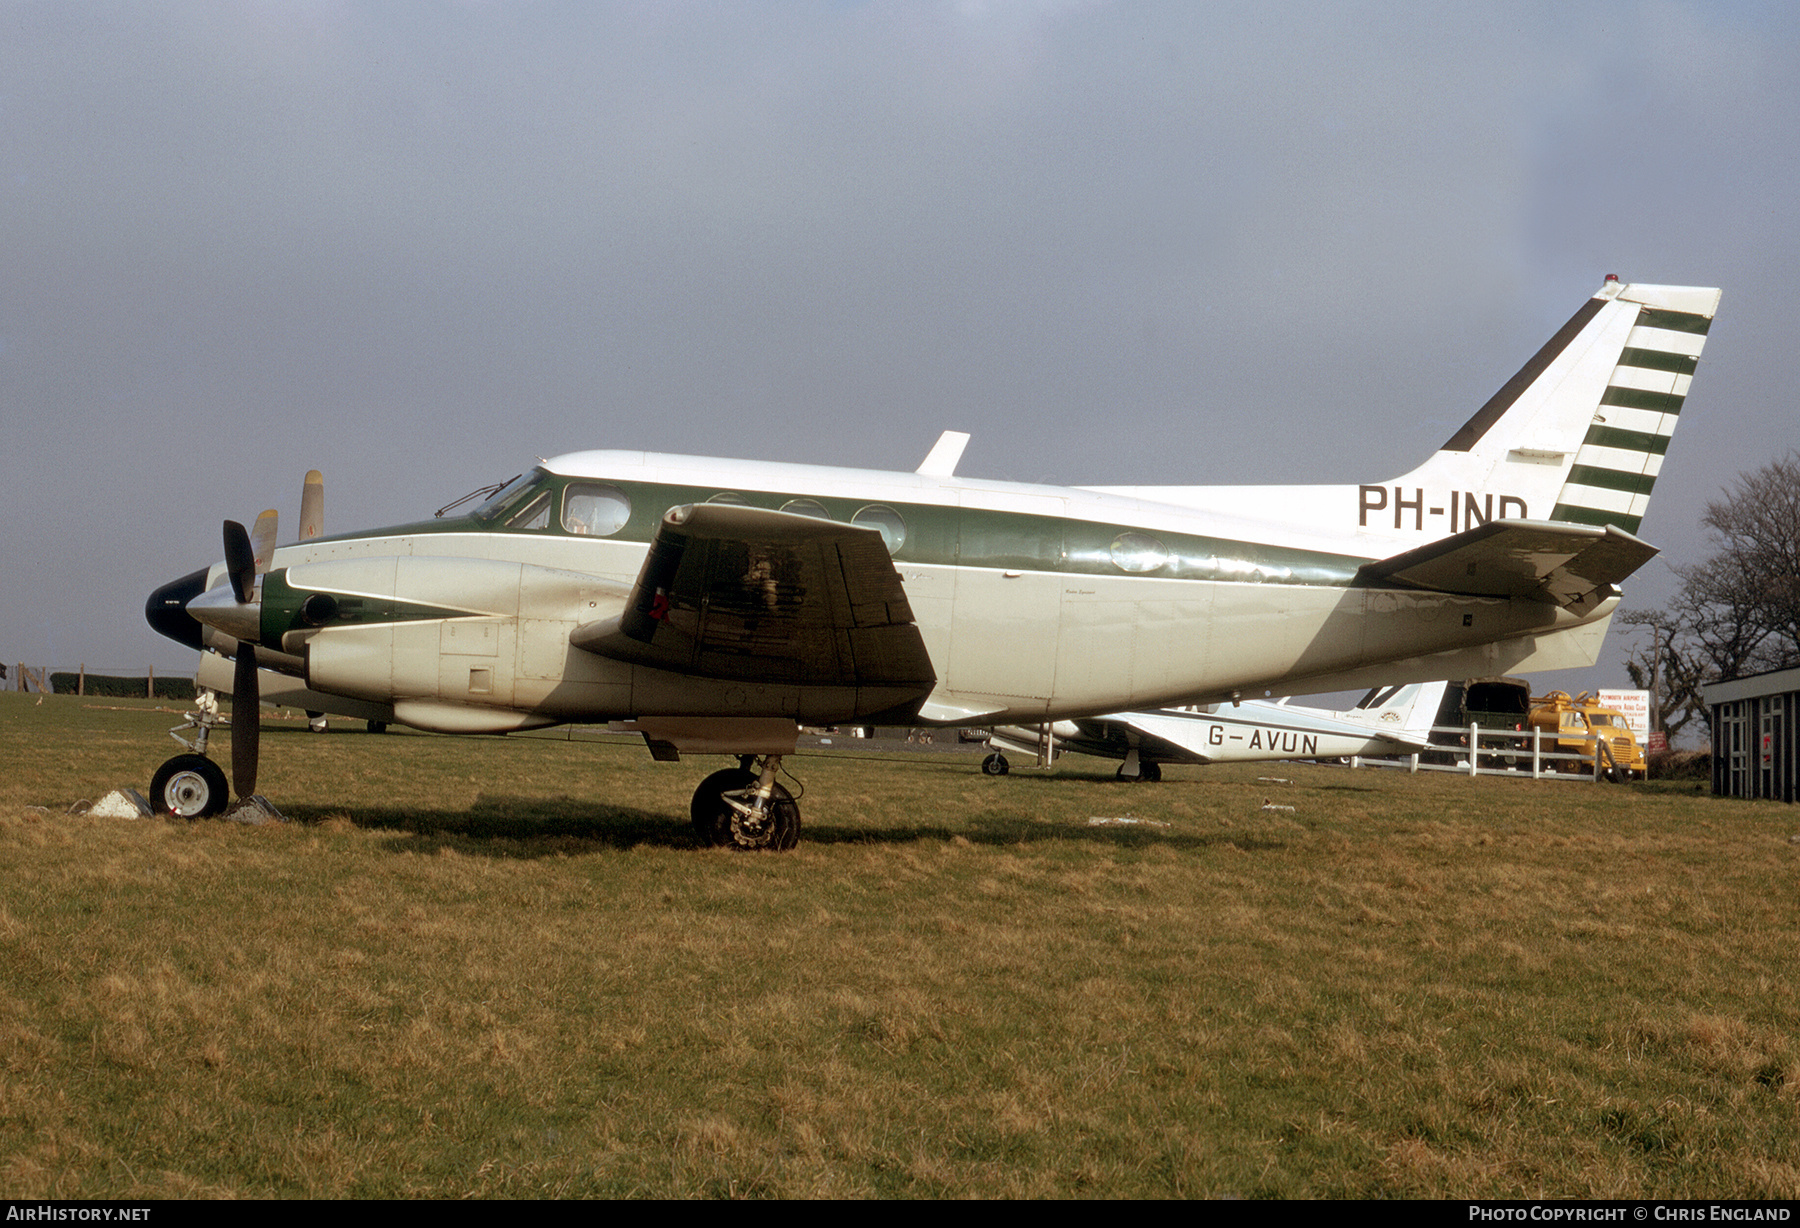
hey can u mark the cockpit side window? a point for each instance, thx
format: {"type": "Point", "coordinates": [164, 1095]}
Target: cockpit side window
{"type": "Point", "coordinates": [535, 514]}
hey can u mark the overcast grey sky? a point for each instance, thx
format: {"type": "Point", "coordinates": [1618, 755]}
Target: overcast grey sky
{"type": "Point", "coordinates": [418, 245]}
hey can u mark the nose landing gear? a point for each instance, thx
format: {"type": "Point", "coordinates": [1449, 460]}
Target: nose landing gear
{"type": "Point", "coordinates": [191, 785]}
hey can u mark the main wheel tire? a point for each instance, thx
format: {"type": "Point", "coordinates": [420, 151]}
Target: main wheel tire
{"type": "Point", "coordinates": [1149, 773]}
{"type": "Point", "coordinates": [995, 765]}
{"type": "Point", "coordinates": [713, 817]}
{"type": "Point", "coordinates": [190, 787]}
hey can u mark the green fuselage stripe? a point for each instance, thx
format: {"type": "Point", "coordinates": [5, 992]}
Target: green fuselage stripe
{"type": "Point", "coordinates": [954, 536]}
{"type": "Point", "coordinates": [281, 604]}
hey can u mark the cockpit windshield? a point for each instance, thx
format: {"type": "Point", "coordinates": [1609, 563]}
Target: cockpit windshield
{"type": "Point", "coordinates": [531, 501]}
{"type": "Point", "coordinates": [510, 496]}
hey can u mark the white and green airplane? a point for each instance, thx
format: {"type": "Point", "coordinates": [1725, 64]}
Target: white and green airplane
{"type": "Point", "coordinates": [714, 606]}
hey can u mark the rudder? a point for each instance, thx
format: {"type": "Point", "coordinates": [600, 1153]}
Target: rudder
{"type": "Point", "coordinates": [1578, 434]}
{"type": "Point", "coordinates": [1622, 452]}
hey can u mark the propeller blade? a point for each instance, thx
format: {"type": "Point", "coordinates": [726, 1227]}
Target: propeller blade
{"type": "Point", "coordinates": [246, 722]}
{"type": "Point", "coordinates": [240, 561]}
{"type": "Point", "coordinates": [262, 538]}
{"type": "Point", "coordinates": [312, 505]}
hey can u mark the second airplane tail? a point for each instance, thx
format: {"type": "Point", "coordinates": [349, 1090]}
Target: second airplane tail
{"type": "Point", "coordinates": [1404, 713]}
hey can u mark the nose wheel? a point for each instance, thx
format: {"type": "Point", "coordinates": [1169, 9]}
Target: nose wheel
{"type": "Point", "coordinates": [189, 786]}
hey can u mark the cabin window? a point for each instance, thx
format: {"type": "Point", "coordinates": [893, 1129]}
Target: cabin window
{"type": "Point", "coordinates": [879, 516]}
{"type": "Point", "coordinates": [1138, 552]}
{"type": "Point", "coordinates": [592, 509]}
{"type": "Point", "coordinates": [806, 507]}
{"type": "Point", "coordinates": [729, 497]}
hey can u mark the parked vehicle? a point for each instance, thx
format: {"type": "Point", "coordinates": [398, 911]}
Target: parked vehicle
{"type": "Point", "coordinates": [1569, 726]}
{"type": "Point", "coordinates": [1489, 703]}
{"type": "Point", "coordinates": [1582, 725]}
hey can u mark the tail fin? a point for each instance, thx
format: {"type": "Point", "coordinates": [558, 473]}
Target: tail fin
{"type": "Point", "coordinates": [1579, 433]}
{"type": "Point", "coordinates": [1404, 713]}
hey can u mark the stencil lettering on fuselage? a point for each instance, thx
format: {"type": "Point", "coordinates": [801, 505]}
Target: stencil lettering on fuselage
{"type": "Point", "coordinates": [1288, 741]}
{"type": "Point", "coordinates": [1414, 509]}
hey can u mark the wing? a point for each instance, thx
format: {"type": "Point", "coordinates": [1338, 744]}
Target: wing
{"type": "Point", "coordinates": [745, 594]}
{"type": "Point", "coordinates": [1563, 564]}
{"type": "Point", "coordinates": [1166, 736]}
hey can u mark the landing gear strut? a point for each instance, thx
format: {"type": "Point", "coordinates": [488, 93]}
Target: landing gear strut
{"type": "Point", "coordinates": [744, 809]}
{"type": "Point", "coordinates": [191, 785]}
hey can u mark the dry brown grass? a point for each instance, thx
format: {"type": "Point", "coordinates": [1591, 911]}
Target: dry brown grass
{"type": "Point", "coordinates": [502, 969]}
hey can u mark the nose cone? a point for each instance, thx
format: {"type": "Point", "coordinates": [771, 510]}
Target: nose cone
{"type": "Point", "coordinates": [219, 609]}
{"type": "Point", "coordinates": [166, 611]}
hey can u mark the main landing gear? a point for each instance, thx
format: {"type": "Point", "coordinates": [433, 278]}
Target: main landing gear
{"type": "Point", "coordinates": [1148, 772]}
{"type": "Point", "coordinates": [744, 809]}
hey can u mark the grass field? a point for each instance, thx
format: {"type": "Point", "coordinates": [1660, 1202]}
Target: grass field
{"type": "Point", "coordinates": [502, 968]}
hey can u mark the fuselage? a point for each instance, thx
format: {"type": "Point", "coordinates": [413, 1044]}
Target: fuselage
{"type": "Point", "coordinates": [1033, 602]}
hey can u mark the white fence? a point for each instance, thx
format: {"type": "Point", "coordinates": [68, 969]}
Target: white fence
{"type": "Point", "coordinates": [1506, 752]}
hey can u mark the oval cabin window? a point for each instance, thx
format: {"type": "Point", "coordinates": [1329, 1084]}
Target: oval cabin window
{"type": "Point", "coordinates": [879, 516]}
{"type": "Point", "coordinates": [1138, 552]}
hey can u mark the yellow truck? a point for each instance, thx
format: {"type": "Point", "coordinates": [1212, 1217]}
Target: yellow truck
{"type": "Point", "coordinates": [1582, 726]}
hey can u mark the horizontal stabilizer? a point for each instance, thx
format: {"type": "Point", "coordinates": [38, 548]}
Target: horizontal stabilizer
{"type": "Point", "coordinates": [1564, 564]}
{"type": "Point", "coordinates": [746, 594]}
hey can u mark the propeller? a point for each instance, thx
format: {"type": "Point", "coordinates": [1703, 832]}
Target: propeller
{"type": "Point", "coordinates": [237, 612]}
{"type": "Point", "coordinates": [246, 711]}
{"type": "Point", "coordinates": [240, 562]}
{"type": "Point", "coordinates": [246, 721]}
{"type": "Point", "coordinates": [312, 505]}
{"type": "Point", "coordinates": [262, 538]}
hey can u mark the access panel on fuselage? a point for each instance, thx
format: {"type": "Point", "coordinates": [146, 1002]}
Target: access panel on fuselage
{"type": "Point", "coordinates": [1008, 601]}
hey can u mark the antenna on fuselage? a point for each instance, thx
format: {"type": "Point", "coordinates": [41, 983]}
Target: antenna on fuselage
{"type": "Point", "coordinates": [940, 462]}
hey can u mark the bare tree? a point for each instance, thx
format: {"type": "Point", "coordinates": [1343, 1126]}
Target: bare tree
{"type": "Point", "coordinates": [1738, 612]}
{"type": "Point", "coordinates": [1743, 604]}
{"type": "Point", "coordinates": [1669, 669]}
